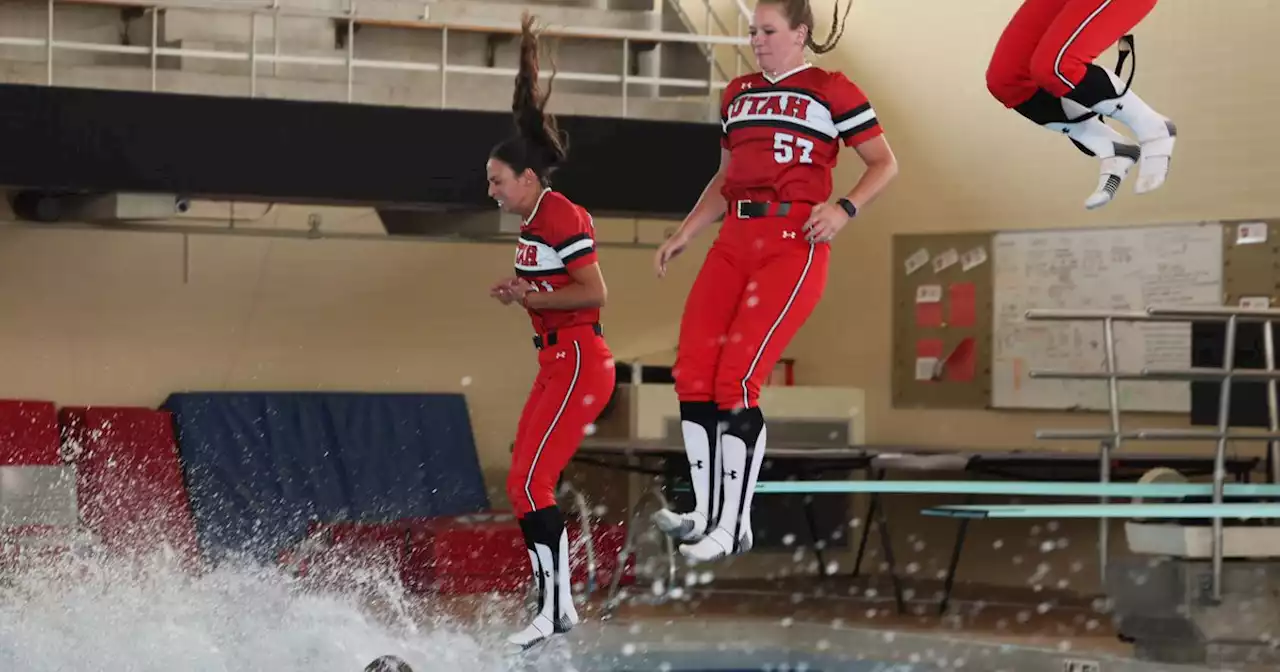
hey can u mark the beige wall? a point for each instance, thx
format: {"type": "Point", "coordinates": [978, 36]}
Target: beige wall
{"type": "Point", "coordinates": [107, 317]}
{"type": "Point", "coordinates": [969, 164]}
{"type": "Point", "coordinates": [113, 318]}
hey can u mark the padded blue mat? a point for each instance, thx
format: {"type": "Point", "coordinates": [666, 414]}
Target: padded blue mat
{"type": "Point", "coordinates": [259, 465]}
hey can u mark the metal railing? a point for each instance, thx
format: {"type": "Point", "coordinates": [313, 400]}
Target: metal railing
{"type": "Point", "coordinates": [741, 17]}
{"type": "Point", "coordinates": [1113, 438]}
{"type": "Point", "coordinates": [352, 16]}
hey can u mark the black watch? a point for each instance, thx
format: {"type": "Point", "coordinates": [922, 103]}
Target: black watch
{"type": "Point", "coordinates": [848, 206]}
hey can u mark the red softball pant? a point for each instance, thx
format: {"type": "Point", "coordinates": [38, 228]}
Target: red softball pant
{"type": "Point", "coordinates": [759, 283]}
{"type": "Point", "coordinates": [575, 380]}
{"type": "Point", "coordinates": [1049, 43]}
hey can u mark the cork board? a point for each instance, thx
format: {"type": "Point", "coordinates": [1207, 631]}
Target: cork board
{"type": "Point", "coordinates": [942, 313]}
{"type": "Point", "coordinates": [1251, 262]}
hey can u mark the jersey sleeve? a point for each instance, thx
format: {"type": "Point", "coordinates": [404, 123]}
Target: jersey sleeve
{"type": "Point", "coordinates": [573, 236]}
{"type": "Point", "coordinates": [855, 119]}
{"type": "Point", "coordinates": [726, 97]}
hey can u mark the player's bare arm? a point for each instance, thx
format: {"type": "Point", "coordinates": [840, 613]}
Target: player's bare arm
{"type": "Point", "coordinates": [827, 219]}
{"type": "Point", "coordinates": [587, 290]}
{"type": "Point", "coordinates": [882, 167]}
{"type": "Point", "coordinates": [710, 207]}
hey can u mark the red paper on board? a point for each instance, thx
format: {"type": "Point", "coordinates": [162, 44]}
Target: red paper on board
{"type": "Point", "coordinates": [961, 364]}
{"type": "Point", "coordinates": [929, 347]}
{"type": "Point", "coordinates": [929, 315]}
{"type": "Point", "coordinates": [963, 305]}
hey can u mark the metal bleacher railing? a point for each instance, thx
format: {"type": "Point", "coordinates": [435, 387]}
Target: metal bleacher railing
{"type": "Point", "coordinates": [353, 15]}
{"type": "Point", "coordinates": [1112, 438]}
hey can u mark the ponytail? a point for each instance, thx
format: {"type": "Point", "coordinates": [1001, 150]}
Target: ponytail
{"type": "Point", "coordinates": [800, 13]}
{"type": "Point", "coordinates": [538, 145]}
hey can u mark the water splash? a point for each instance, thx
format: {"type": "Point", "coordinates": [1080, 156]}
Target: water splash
{"type": "Point", "coordinates": [88, 613]}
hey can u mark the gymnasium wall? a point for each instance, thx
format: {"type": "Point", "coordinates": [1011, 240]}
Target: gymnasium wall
{"type": "Point", "coordinates": [113, 318]}
{"type": "Point", "coordinates": [968, 164]}
{"type": "Point", "coordinates": [108, 318]}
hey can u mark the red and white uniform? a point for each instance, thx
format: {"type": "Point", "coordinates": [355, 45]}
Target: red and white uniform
{"type": "Point", "coordinates": [762, 279]}
{"type": "Point", "coordinates": [575, 375]}
{"type": "Point", "coordinates": [1049, 43]}
{"type": "Point", "coordinates": [785, 134]}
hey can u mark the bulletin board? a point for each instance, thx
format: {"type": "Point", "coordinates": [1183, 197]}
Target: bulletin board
{"type": "Point", "coordinates": [1251, 263]}
{"type": "Point", "coordinates": [942, 315]}
{"type": "Point", "coordinates": [1122, 268]}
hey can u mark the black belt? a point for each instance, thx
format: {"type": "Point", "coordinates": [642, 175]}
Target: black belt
{"type": "Point", "coordinates": [751, 209]}
{"type": "Point", "coordinates": [552, 338]}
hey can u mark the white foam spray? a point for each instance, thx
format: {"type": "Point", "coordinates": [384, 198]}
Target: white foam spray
{"type": "Point", "coordinates": [90, 614]}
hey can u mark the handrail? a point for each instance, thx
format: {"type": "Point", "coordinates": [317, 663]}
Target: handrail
{"type": "Point", "coordinates": [355, 16]}
{"type": "Point", "coordinates": [351, 63]}
{"type": "Point", "coordinates": [1230, 315]}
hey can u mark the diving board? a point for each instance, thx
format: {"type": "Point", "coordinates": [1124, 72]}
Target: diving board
{"type": "Point", "coordinates": [1034, 489]}
{"type": "Point", "coordinates": [1241, 511]}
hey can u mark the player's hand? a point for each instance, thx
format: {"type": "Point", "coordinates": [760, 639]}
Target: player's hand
{"type": "Point", "coordinates": [670, 249]}
{"type": "Point", "coordinates": [506, 290]}
{"type": "Point", "coordinates": [825, 222]}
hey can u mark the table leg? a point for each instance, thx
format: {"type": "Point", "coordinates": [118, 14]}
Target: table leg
{"type": "Point", "coordinates": [955, 560]}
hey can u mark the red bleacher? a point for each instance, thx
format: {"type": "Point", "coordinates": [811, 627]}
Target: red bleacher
{"type": "Point", "coordinates": [28, 432]}
{"type": "Point", "coordinates": [453, 555]}
{"type": "Point", "coordinates": [129, 479]}
{"type": "Point", "coordinates": [131, 496]}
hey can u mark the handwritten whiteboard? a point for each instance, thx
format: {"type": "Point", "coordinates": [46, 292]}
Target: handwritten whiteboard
{"type": "Point", "coordinates": [1123, 269]}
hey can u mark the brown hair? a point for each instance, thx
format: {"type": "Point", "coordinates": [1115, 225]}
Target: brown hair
{"type": "Point", "coordinates": [800, 13]}
{"type": "Point", "coordinates": [538, 144]}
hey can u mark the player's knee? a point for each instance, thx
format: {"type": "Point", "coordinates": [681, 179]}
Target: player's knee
{"type": "Point", "coordinates": [1054, 72]}
{"type": "Point", "coordinates": [692, 384]}
{"type": "Point", "coordinates": [1005, 83]}
{"type": "Point", "coordinates": [733, 392]}
{"type": "Point", "coordinates": [516, 492]}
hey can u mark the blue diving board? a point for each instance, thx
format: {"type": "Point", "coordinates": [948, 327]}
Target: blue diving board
{"type": "Point", "coordinates": [1233, 510]}
{"type": "Point", "coordinates": [1027, 488]}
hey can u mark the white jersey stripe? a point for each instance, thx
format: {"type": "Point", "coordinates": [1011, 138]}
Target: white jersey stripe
{"type": "Point", "coordinates": [584, 244]}
{"type": "Point", "coordinates": [856, 120]}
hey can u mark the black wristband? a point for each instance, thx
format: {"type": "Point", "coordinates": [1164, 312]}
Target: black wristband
{"type": "Point", "coordinates": [848, 206]}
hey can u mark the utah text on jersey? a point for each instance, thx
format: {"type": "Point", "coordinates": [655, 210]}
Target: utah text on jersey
{"type": "Point", "coordinates": [536, 258]}
{"type": "Point", "coordinates": [798, 110]}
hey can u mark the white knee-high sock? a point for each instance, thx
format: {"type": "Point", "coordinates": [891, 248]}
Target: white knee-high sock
{"type": "Point", "coordinates": [567, 615]}
{"type": "Point", "coordinates": [1105, 93]}
{"type": "Point", "coordinates": [756, 457]}
{"type": "Point", "coordinates": [734, 477]}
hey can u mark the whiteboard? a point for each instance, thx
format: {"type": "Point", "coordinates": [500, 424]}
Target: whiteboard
{"type": "Point", "coordinates": [1102, 269]}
